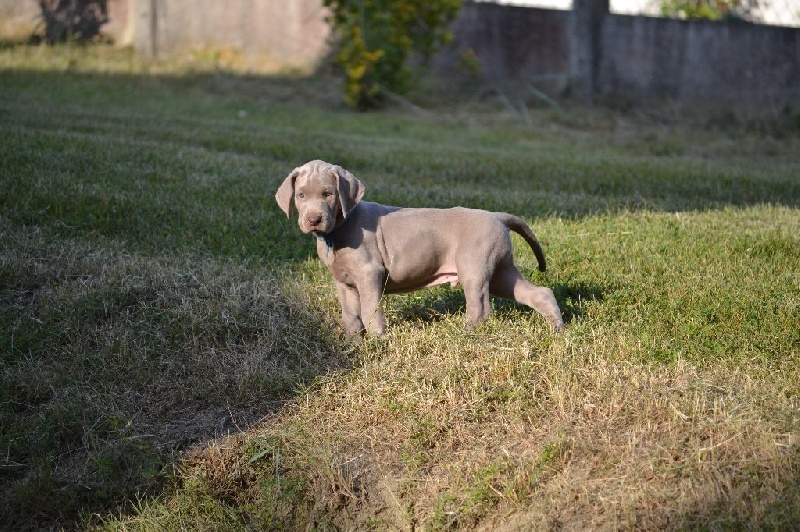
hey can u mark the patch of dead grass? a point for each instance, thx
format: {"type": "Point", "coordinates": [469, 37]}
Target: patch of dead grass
{"type": "Point", "coordinates": [507, 432]}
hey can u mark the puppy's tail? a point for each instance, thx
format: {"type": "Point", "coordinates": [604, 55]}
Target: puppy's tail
{"type": "Point", "coordinates": [519, 226]}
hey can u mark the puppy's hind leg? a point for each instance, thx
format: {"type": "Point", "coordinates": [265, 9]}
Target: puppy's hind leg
{"type": "Point", "coordinates": [509, 283]}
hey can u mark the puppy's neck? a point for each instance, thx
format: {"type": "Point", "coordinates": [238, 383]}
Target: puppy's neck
{"type": "Point", "coordinates": [341, 219]}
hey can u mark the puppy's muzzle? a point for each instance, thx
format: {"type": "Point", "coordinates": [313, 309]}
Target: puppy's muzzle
{"type": "Point", "coordinates": [314, 220]}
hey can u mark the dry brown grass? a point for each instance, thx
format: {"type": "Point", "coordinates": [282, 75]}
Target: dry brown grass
{"type": "Point", "coordinates": [498, 431]}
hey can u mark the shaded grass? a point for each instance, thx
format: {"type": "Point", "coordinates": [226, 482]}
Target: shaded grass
{"type": "Point", "coordinates": [113, 361]}
{"type": "Point", "coordinates": [171, 355]}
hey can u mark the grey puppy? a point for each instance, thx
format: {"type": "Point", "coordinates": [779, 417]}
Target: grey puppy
{"type": "Point", "coordinates": [372, 249]}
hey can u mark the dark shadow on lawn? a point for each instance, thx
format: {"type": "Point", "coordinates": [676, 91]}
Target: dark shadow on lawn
{"type": "Point", "coordinates": [426, 306]}
{"type": "Point", "coordinates": [104, 388]}
{"type": "Point", "coordinates": [572, 298]}
{"type": "Point", "coordinates": [435, 304]}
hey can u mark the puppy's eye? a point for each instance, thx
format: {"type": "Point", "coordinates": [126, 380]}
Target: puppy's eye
{"type": "Point", "coordinates": [301, 195]}
{"type": "Point", "coordinates": [327, 193]}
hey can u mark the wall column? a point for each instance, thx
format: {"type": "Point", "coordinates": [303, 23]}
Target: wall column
{"type": "Point", "coordinates": [585, 46]}
{"type": "Point", "coordinates": [143, 16]}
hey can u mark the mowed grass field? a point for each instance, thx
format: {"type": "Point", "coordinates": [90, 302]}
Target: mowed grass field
{"type": "Point", "coordinates": [171, 356]}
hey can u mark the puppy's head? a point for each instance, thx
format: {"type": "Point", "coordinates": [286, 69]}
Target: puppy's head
{"type": "Point", "coordinates": [323, 194]}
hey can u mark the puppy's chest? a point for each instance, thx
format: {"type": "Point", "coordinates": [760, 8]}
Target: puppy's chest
{"type": "Point", "coordinates": [339, 263]}
{"type": "Point", "coordinates": [341, 271]}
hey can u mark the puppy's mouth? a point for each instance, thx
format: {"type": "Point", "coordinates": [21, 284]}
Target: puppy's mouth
{"type": "Point", "coordinates": [317, 229]}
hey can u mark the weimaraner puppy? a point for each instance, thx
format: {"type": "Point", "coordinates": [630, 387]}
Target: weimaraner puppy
{"type": "Point", "coordinates": [372, 249]}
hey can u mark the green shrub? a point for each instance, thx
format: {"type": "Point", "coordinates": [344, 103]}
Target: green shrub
{"type": "Point", "coordinates": [709, 9]}
{"type": "Point", "coordinates": [376, 38]}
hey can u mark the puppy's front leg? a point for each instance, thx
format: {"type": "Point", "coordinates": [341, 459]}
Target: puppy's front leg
{"type": "Point", "coordinates": [351, 309]}
{"type": "Point", "coordinates": [370, 290]}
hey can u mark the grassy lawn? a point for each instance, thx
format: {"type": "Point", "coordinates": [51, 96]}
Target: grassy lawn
{"type": "Point", "coordinates": [171, 356]}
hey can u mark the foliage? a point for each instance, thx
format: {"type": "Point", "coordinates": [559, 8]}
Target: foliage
{"type": "Point", "coordinates": [708, 9]}
{"type": "Point", "coordinates": [378, 36]}
{"type": "Point", "coordinates": [73, 20]}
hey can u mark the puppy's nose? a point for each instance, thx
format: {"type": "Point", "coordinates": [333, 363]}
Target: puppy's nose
{"type": "Point", "coordinates": [314, 219]}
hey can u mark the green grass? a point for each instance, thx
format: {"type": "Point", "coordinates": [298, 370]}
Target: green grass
{"type": "Point", "coordinates": [171, 356]}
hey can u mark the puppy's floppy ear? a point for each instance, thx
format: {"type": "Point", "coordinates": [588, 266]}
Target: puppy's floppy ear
{"type": "Point", "coordinates": [286, 193]}
{"type": "Point", "coordinates": [351, 190]}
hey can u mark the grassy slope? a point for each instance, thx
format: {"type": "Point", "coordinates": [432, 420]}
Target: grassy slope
{"type": "Point", "coordinates": [153, 302]}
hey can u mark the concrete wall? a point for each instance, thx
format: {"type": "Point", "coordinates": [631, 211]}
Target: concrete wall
{"type": "Point", "coordinates": [598, 56]}
{"type": "Point", "coordinates": [266, 34]}
{"type": "Point", "coordinates": [19, 19]}
{"type": "Point", "coordinates": [511, 43]}
{"type": "Point", "coordinates": [696, 62]}
{"type": "Point", "coordinates": [630, 59]}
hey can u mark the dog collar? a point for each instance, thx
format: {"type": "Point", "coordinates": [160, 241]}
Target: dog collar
{"type": "Point", "coordinates": [328, 238]}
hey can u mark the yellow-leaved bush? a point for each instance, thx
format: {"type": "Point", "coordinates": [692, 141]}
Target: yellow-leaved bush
{"type": "Point", "coordinates": [376, 38]}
